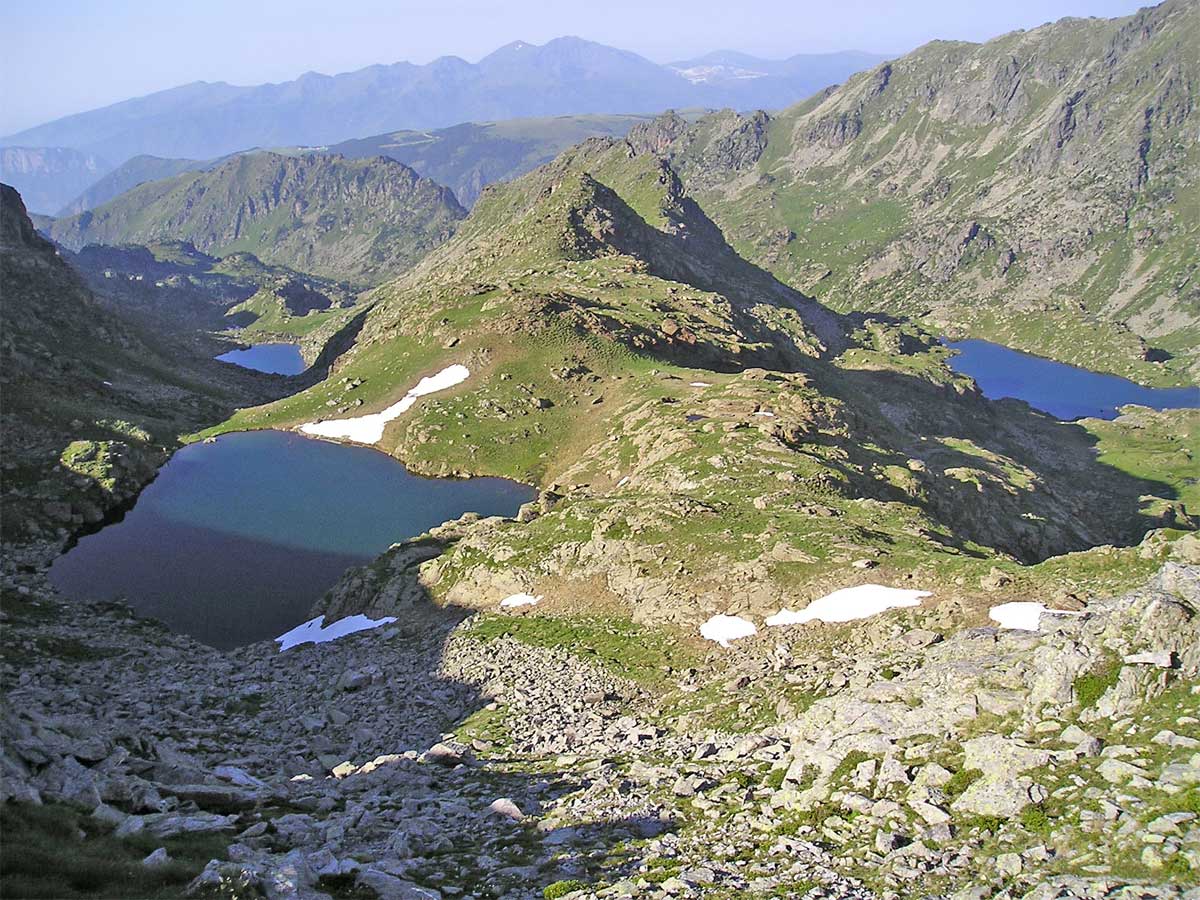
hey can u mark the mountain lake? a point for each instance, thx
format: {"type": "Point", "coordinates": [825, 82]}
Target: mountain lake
{"type": "Point", "coordinates": [236, 539]}
{"type": "Point", "coordinates": [1063, 391]}
{"type": "Point", "coordinates": [277, 359]}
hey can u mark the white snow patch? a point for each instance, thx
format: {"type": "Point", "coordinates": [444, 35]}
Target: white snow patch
{"type": "Point", "coordinates": [314, 631]}
{"type": "Point", "coordinates": [519, 600]}
{"type": "Point", "coordinates": [763, 412]}
{"type": "Point", "coordinates": [724, 629]}
{"type": "Point", "coordinates": [849, 604]}
{"type": "Point", "coordinates": [1022, 614]}
{"type": "Point", "coordinates": [369, 429]}
{"type": "Point", "coordinates": [700, 384]}
{"type": "Point", "coordinates": [107, 383]}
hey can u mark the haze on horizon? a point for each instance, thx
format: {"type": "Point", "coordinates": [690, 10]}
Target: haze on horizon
{"type": "Point", "coordinates": [74, 55]}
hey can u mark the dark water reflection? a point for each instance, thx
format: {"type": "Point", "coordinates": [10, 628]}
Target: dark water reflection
{"type": "Point", "coordinates": [235, 540]}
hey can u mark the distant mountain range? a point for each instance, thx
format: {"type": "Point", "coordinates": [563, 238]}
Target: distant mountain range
{"type": "Point", "coordinates": [466, 157]}
{"type": "Point", "coordinates": [565, 76]}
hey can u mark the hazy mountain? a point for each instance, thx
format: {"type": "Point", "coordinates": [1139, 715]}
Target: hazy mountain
{"type": "Point", "coordinates": [1041, 189]}
{"type": "Point", "coordinates": [358, 220]}
{"type": "Point", "coordinates": [128, 175]}
{"type": "Point", "coordinates": [772, 82]}
{"type": "Point", "coordinates": [566, 76]}
{"type": "Point", "coordinates": [469, 156]}
{"type": "Point", "coordinates": [47, 177]}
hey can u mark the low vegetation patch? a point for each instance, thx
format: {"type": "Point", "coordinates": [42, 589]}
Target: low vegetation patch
{"type": "Point", "coordinates": [56, 853]}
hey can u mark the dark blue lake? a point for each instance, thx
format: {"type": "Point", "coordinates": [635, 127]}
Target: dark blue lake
{"type": "Point", "coordinates": [1065, 392]}
{"type": "Point", "coordinates": [278, 359]}
{"type": "Point", "coordinates": [235, 540]}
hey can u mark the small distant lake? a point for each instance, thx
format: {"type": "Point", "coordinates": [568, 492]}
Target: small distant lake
{"type": "Point", "coordinates": [1065, 392]}
{"type": "Point", "coordinates": [235, 540]}
{"type": "Point", "coordinates": [278, 359]}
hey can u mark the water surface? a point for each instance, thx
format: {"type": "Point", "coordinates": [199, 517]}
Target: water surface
{"type": "Point", "coordinates": [1065, 392]}
{"type": "Point", "coordinates": [235, 540]}
{"type": "Point", "coordinates": [278, 359]}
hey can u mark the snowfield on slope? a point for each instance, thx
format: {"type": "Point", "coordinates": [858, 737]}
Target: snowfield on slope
{"type": "Point", "coordinates": [368, 429]}
{"type": "Point", "coordinates": [314, 631]}
{"type": "Point", "coordinates": [850, 604]}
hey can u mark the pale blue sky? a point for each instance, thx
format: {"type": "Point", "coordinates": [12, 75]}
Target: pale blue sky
{"type": "Point", "coordinates": [64, 56]}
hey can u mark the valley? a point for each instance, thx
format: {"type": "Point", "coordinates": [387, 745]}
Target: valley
{"type": "Point", "coordinates": [606, 504]}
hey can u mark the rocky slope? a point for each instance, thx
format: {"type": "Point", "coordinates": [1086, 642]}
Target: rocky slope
{"type": "Point", "coordinates": [1039, 189]}
{"type": "Point", "coordinates": [917, 754]}
{"type": "Point", "coordinates": [125, 177]}
{"type": "Point", "coordinates": [353, 220]}
{"type": "Point", "coordinates": [173, 287]}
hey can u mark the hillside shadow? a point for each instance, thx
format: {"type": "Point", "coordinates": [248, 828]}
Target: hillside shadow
{"type": "Point", "coordinates": [1057, 498]}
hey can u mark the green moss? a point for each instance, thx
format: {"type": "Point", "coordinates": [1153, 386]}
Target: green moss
{"type": "Point", "coordinates": [1034, 819]}
{"type": "Point", "coordinates": [1091, 686]}
{"type": "Point", "coordinates": [849, 763]}
{"type": "Point", "coordinates": [960, 781]}
{"type": "Point", "coordinates": [562, 888]}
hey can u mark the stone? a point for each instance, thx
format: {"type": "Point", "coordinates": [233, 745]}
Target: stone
{"type": "Point", "coordinates": [1163, 659]}
{"type": "Point", "coordinates": [1009, 864]}
{"type": "Point", "coordinates": [1116, 771]}
{"type": "Point", "coordinates": [1004, 798]}
{"type": "Point", "coordinates": [442, 755]}
{"type": "Point", "coordinates": [389, 887]}
{"type": "Point", "coordinates": [506, 809]}
{"type": "Point", "coordinates": [158, 858]}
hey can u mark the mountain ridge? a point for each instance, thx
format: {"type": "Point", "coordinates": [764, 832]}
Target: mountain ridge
{"type": "Point", "coordinates": [355, 220]}
{"type": "Point", "coordinates": [563, 76]}
{"type": "Point", "coordinates": [1046, 202]}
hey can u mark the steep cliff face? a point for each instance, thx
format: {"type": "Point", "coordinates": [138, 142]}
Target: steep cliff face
{"type": "Point", "coordinates": [1041, 189]}
{"type": "Point", "coordinates": [359, 220]}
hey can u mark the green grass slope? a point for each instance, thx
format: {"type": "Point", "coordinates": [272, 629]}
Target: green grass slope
{"type": "Point", "coordinates": [711, 439]}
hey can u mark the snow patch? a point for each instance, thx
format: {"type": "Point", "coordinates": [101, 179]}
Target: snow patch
{"type": "Point", "coordinates": [519, 600]}
{"type": "Point", "coordinates": [765, 414]}
{"type": "Point", "coordinates": [1024, 615]}
{"type": "Point", "coordinates": [314, 631]}
{"type": "Point", "coordinates": [724, 629]}
{"type": "Point", "coordinates": [369, 429]}
{"type": "Point", "coordinates": [700, 384]}
{"type": "Point", "coordinates": [850, 604]}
